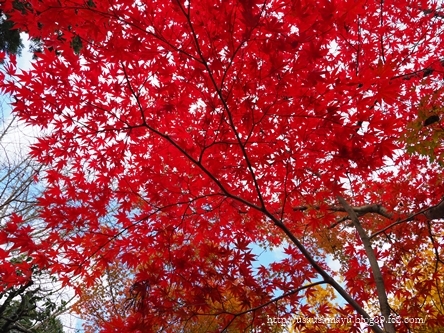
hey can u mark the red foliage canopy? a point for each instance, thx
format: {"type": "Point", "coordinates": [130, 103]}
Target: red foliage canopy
{"type": "Point", "coordinates": [185, 131]}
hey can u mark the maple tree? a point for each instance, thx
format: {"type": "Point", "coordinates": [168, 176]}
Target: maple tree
{"type": "Point", "coordinates": [114, 296]}
{"type": "Point", "coordinates": [179, 133]}
{"type": "Point", "coordinates": [106, 299]}
{"type": "Point", "coordinates": [319, 300]}
{"type": "Point", "coordinates": [421, 295]}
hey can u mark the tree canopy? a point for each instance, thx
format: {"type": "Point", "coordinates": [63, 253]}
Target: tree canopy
{"type": "Point", "coordinates": [178, 134]}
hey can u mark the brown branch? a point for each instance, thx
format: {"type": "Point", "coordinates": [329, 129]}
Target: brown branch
{"type": "Point", "coordinates": [327, 277]}
{"type": "Point", "coordinates": [359, 210]}
{"type": "Point", "coordinates": [435, 212]}
{"type": "Point", "coordinates": [435, 13]}
{"type": "Point", "coordinates": [278, 298]}
{"type": "Point", "coordinates": [431, 213]}
{"type": "Point", "coordinates": [379, 281]}
{"type": "Point", "coordinates": [419, 74]}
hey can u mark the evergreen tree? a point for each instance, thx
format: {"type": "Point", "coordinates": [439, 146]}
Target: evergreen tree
{"type": "Point", "coordinates": [28, 309]}
{"type": "Point", "coordinates": [10, 39]}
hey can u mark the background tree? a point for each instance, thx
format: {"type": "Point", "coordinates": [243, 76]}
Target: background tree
{"type": "Point", "coordinates": [28, 296]}
{"type": "Point", "coordinates": [209, 126]}
{"type": "Point", "coordinates": [18, 203]}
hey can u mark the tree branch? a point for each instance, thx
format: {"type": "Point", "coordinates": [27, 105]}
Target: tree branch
{"type": "Point", "coordinates": [327, 278]}
{"type": "Point", "coordinates": [359, 210]}
{"type": "Point", "coordinates": [380, 287]}
{"type": "Point", "coordinates": [435, 212]}
{"type": "Point", "coordinates": [274, 300]}
{"type": "Point", "coordinates": [431, 213]}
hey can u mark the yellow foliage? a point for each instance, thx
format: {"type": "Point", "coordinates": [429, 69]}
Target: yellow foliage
{"type": "Point", "coordinates": [323, 316]}
{"type": "Point", "coordinates": [422, 296]}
